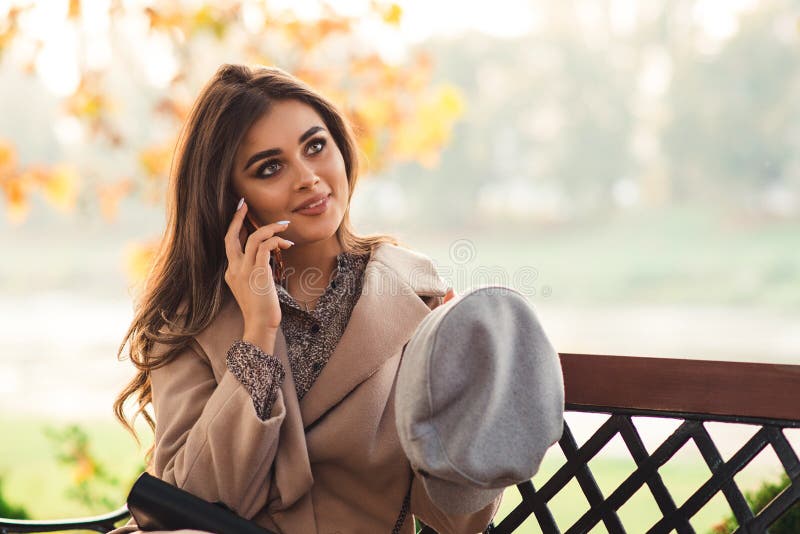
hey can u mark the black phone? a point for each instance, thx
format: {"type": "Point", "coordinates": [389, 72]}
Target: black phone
{"type": "Point", "coordinates": [275, 259]}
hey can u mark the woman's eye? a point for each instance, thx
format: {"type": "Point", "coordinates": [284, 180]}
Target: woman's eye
{"type": "Point", "coordinates": [316, 146]}
{"type": "Point", "coordinates": [269, 168]}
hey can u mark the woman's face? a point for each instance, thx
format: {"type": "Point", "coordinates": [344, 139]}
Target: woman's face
{"type": "Point", "coordinates": [287, 158]}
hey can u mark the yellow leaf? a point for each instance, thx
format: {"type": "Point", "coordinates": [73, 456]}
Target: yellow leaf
{"type": "Point", "coordinates": [393, 14]}
{"type": "Point", "coordinates": [375, 111]}
{"type": "Point", "coordinates": [61, 187]}
{"type": "Point", "coordinates": [428, 130]}
{"type": "Point", "coordinates": [156, 160]}
{"type": "Point", "coordinates": [450, 101]}
{"type": "Point", "coordinates": [6, 37]}
{"type": "Point", "coordinates": [139, 257]}
{"type": "Point", "coordinates": [206, 18]}
{"type": "Point", "coordinates": [87, 101]}
{"type": "Point", "coordinates": [369, 153]}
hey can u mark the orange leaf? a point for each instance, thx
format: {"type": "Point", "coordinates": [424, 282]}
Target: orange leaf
{"type": "Point", "coordinates": [35, 176]}
{"type": "Point", "coordinates": [174, 108]}
{"type": "Point", "coordinates": [109, 196]}
{"type": "Point", "coordinates": [84, 470]}
{"type": "Point", "coordinates": [8, 159]}
{"type": "Point", "coordinates": [16, 199]}
{"type": "Point", "coordinates": [74, 9]}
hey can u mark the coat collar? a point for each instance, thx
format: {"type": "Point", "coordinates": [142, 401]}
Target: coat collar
{"type": "Point", "coordinates": [382, 321]}
{"type": "Point", "coordinates": [415, 270]}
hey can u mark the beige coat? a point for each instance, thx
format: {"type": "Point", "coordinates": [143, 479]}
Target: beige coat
{"type": "Point", "coordinates": [330, 463]}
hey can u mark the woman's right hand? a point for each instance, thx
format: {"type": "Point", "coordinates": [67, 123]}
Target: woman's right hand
{"type": "Point", "coordinates": [249, 274]}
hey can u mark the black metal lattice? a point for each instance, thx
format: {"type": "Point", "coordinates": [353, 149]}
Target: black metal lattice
{"type": "Point", "coordinates": [603, 509]}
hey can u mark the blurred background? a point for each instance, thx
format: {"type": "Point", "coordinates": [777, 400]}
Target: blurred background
{"type": "Point", "coordinates": [631, 166]}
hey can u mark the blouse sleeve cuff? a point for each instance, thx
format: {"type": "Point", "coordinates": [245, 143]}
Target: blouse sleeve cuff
{"type": "Point", "coordinates": [260, 373]}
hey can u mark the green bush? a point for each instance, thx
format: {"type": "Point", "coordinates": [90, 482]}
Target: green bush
{"type": "Point", "coordinates": [8, 510]}
{"type": "Point", "coordinates": [758, 500]}
{"type": "Point", "coordinates": [94, 485]}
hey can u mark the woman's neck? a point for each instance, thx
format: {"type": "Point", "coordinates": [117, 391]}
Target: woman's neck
{"type": "Point", "coordinates": [309, 268]}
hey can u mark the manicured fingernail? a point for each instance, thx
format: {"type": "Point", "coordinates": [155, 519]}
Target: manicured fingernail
{"type": "Point", "coordinates": [282, 222]}
{"type": "Point", "coordinates": [241, 201]}
{"type": "Point", "coordinates": [292, 242]}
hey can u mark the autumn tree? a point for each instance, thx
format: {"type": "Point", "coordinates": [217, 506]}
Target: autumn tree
{"type": "Point", "coordinates": [398, 113]}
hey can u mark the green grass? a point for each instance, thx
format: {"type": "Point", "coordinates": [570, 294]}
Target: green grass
{"type": "Point", "coordinates": [34, 479]}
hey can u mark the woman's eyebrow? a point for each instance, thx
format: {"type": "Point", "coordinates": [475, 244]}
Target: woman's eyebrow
{"type": "Point", "coordinates": [275, 151]}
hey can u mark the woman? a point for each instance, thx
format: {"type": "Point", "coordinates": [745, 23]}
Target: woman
{"type": "Point", "coordinates": [277, 398]}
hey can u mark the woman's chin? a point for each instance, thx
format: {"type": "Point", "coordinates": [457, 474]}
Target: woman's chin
{"type": "Point", "coordinates": [314, 235]}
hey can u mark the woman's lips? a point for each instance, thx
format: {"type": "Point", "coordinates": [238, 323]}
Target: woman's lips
{"type": "Point", "coordinates": [317, 209]}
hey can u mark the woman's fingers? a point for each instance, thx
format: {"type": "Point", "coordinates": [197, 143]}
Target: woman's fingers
{"type": "Point", "coordinates": [253, 285]}
{"type": "Point", "coordinates": [267, 246]}
{"type": "Point", "coordinates": [262, 234]}
{"type": "Point", "coordinates": [233, 245]}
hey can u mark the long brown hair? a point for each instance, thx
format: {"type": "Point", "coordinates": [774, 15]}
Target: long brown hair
{"type": "Point", "coordinates": [185, 287]}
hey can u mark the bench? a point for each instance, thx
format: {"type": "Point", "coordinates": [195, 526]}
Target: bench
{"type": "Point", "coordinates": [691, 392]}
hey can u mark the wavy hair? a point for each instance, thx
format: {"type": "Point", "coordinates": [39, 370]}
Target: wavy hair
{"type": "Point", "coordinates": [185, 287]}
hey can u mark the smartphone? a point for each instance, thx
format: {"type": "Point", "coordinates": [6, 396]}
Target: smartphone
{"type": "Point", "coordinates": [275, 259]}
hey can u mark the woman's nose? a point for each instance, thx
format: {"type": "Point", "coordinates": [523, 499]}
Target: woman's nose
{"type": "Point", "coordinates": [306, 176]}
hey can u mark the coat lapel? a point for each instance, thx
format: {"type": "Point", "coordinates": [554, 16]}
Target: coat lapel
{"type": "Point", "coordinates": [383, 320]}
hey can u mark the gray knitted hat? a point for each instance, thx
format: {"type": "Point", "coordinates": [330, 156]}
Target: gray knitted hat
{"type": "Point", "coordinates": [479, 398]}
